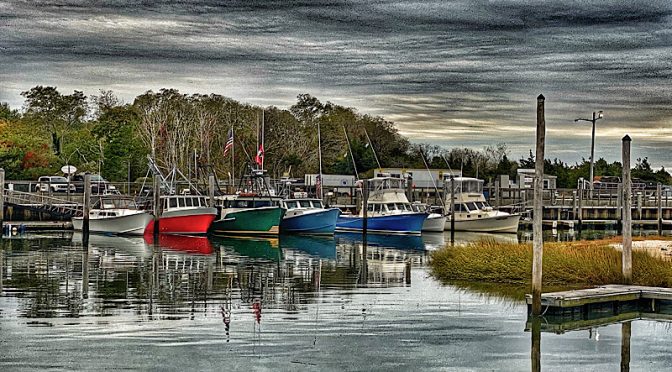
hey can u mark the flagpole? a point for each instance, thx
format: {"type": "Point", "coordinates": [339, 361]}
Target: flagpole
{"type": "Point", "coordinates": [233, 157]}
{"type": "Point", "coordinates": [257, 165]}
{"type": "Point", "coordinates": [319, 155]}
{"type": "Point", "coordinates": [262, 137]}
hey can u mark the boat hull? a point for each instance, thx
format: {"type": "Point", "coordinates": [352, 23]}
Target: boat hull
{"type": "Point", "coordinates": [434, 223]}
{"type": "Point", "coordinates": [130, 224]}
{"type": "Point", "coordinates": [318, 221]}
{"type": "Point", "coordinates": [506, 223]}
{"type": "Point", "coordinates": [255, 221]}
{"type": "Point", "coordinates": [410, 223]}
{"type": "Point", "coordinates": [188, 221]}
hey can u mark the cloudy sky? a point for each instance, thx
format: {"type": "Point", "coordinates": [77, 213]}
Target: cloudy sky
{"type": "Point", "coordinates": [453, 73]}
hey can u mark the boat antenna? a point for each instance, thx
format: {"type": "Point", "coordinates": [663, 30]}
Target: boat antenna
{"type": "Point", "coordinates": [436, 188]}
{"type": "Point", "coordinates": [352, 156]}
{"type": "Point", "coordinates": [448, 164]}
{"type": "Point", "coordinates": [372, 149]}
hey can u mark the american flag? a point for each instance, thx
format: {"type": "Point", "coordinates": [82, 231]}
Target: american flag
{"type": "Point", "coordinates": [229, 142]}
{"type": "Point", "coordinates": [318, 185]}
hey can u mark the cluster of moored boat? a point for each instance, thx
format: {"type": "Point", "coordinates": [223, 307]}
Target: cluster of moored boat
{"type": "Point", "coordinates": [388, 211]}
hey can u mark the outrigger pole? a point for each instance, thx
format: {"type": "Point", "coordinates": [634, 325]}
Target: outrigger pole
{"type": "Point", "coordinates": [372, 149]}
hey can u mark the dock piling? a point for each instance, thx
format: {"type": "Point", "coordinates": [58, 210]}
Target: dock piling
{"type": "Point", "coordinates": [2, 199]}
{"type": "Point", "coordinates": [659, 205]}
{"type": "Point", "coordinates": [211, 190]}
{"type": "Point", "coordinates": [157, 207]}
{"type": "Point", "coordinates": [538, 242]}
{"type": "Point", "coordinates": [627, 212]}
{"type": "Point", "coordinates": [87, 208]}
{"type": "Point", "coordinates": [452, 210]}
{"type": "Point", "coordinates": [365, 208]}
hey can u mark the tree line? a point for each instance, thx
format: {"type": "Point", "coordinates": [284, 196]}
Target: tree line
{"type": "Point", "coordinates": [102, 134]}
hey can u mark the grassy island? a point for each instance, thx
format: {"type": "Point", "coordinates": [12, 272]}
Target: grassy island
{"type": "Point", "coordinates": [486, 265]}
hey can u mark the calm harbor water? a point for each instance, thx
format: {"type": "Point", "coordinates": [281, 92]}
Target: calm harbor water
{"type": "Point", "coordinates": [294, 303]}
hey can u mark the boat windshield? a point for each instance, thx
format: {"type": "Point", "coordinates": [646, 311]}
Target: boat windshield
{"type": "Point", "coordinates": [471, 206]}
{"type": "Point", "coordinates": [292, 204]}
{"type": "Point", "coordinates": [305, 203]}
{"type": "Point", "coordinates": [111, 203]}
{"type": "Point", "coordinates": [472, 186]}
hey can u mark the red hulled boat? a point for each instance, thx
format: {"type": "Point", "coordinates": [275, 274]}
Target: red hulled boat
{"type": "Point", "coordinates": [184, 214]}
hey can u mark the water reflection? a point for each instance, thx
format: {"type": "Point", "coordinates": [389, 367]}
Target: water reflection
{"type": "Point", "coordinates": [182, 275]}
{"type": "Point", "coordinates": [286, 303]}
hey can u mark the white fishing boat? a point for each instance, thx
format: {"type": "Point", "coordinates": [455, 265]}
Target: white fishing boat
{"type": "Point", "coordinates": [472, 211]}
{"type": "Point", "coordinates": [435, 222]}
{"type": "Point", "coordinates": [115, 214]}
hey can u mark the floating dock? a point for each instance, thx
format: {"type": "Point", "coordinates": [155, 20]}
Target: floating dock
{"type": "Point", "coordinates": [606, 301]}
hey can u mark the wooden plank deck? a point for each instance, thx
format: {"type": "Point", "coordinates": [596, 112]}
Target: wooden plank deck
{"type": "Point", "coordinates": [612, 293]}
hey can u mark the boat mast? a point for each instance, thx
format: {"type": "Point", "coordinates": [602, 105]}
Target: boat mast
{"type": "Point", "coordinates": [436, 188]}
{"type": "Point", "coordinates": [372, 149]}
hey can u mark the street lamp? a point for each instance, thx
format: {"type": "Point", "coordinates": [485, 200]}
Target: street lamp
{"type": "Point", "coordinates": [596, 116]}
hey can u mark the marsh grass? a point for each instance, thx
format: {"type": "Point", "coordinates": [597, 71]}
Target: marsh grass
{"type": "Point", "coordinates": [566, 265]}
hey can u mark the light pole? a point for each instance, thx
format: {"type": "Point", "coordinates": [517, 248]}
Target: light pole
{"type": "Point", "coordinates": [596, 116]}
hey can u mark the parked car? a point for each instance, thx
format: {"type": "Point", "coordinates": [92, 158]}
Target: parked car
{"type": "Point", "coordinates": [98, 184]}
{"type": "Point", "coordinates": [53, 184]}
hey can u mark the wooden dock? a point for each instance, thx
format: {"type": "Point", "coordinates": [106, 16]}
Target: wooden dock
{"type": "Point", "coordinates": [605, 301]}
{"type": "Point", "coordinates": [39, 225]}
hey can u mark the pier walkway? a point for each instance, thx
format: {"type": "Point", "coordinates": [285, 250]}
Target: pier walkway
{"type": "Point", "coordinates": [39, 202]}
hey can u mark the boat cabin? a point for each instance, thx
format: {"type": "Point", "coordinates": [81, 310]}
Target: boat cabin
{"type": "Point", "coordinates": [465, 185]}
{"type": "Point", "coordinates": [302, 204]}
{"type": "Point", "coordinates": [112, 206]}
{"type": "Point", "coordinates": [169, 202]}
{"type": "Point", "coordinates": [389, 208]}
{"type": "Point", "coordinates": [471, 207]}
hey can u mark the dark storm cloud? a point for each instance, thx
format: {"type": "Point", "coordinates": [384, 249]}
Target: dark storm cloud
{"type": "Point", "coordinates": [457, 73]}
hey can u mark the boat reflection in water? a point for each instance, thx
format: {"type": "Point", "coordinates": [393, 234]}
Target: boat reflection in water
{"type": "Point", "coordinates": [464, 237]}
{"type": "Point", "coordinates": [320, 246]}
{"type": "Point", "coordinates": [388, 241]}
{"type": "Point", "coordinates": [182, 243]}
{"type": "Point", "coordinates": [253, 247]}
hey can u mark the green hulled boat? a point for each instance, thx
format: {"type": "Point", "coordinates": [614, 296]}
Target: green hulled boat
{"type": "Point", "coordinates": [248, 215]}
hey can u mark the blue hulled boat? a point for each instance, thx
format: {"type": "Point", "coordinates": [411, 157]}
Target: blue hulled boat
{"type": "Point", "coordinates": [388, 211]}
{"type": "Point", "coordinates": [308, 216]}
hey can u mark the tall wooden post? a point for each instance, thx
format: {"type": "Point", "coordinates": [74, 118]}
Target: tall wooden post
{"type": "Point", "coordinates": [2, 199]}
{"type": "Point", "coordinates": [659, 205]}
{"type": "Point", "coordinates": [87, 209]}
{"type": "Point", "coordinates": [211, 190]}
{"type": "Point", "coordinates": [365, 208]}
{"type": "Point", "coordinates": [627, 212]}
{"type": "Point", "coordinates": [538, 242]}
{"type": "Point", "coordinates": [452, 210]}
{"type": "Point", "coordinates": [157, 207]}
